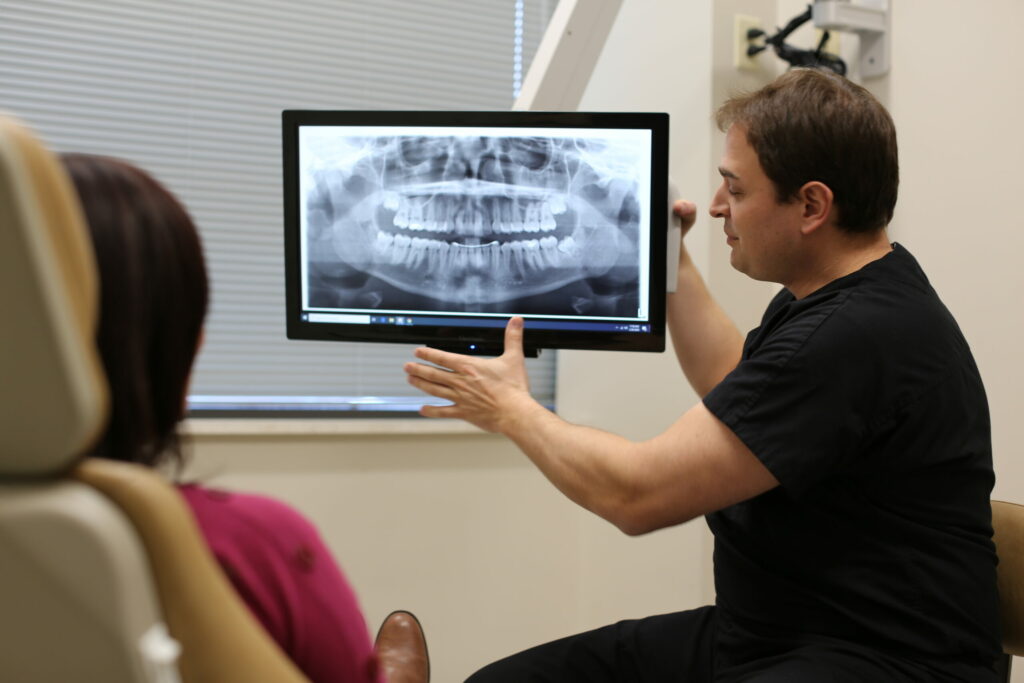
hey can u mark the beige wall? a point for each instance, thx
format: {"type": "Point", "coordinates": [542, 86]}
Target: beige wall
{"type": "Point", "coordinates": [957, 107]}
{"type": "Point", "coordinates": [957, 104]}
{"type": "Point", "coordinates": [461, 529]}
{"type": "Point", "coordinates": [957, 110]}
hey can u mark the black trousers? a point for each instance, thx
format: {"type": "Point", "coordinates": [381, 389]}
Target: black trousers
{"type": "Point", "coordinates": [670, 647]}
{"type": "Point", "coordinates": [693, 647]}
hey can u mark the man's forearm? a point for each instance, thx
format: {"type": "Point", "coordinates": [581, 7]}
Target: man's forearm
{"type": "Point", "coordinates": [591, 467]}
{"type": "Point", "coordinates": [695, 466]}
{"type": "Point", "coordinates": [707, 343]}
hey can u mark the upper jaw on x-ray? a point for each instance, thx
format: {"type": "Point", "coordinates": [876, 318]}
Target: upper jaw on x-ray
{"type": "Point", "coordinates": [477, 223]}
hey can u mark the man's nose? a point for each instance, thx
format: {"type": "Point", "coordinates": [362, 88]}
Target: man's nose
{"type": "Point", "coordinates": [719, 207]}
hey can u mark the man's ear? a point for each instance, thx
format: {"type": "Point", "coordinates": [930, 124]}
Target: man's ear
{"type": "Point", "coordinates": [817, 201]}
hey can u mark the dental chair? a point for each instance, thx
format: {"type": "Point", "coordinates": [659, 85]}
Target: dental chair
{"type": "Point", "coordinates": [104, 575]}
{"type": "Point", "coordinates": [1008, 525]}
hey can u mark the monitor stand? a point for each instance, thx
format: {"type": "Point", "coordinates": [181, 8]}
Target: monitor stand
{"type": "Point", "coordinates": [482, 349]}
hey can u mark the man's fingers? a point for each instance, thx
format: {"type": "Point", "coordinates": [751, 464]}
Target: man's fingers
{"type": "Point", "coordinates": [438, 357]}
{"type": "Point", "coordinates": [429, 373]}
{"type": "Point", "coordinates": [433, 388]}
{"type": "Point", "coordinates": [440, 411]}
{"type": "Point", "coordinates": [687, 213]}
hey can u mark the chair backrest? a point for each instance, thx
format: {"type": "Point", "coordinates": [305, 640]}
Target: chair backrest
{"type": "Point", "coordinates": [73, 572]}
{"type": "Point", "coordinates": [1008, 524]}
{"type": "Point", "coordinates": [95, 555]}
{"type": "Point", "coordinates": [220, 639]}
{"type": "Point", "coordinates": [54, 395]}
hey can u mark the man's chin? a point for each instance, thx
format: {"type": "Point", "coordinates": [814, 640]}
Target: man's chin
{"type": "Point", "coordinates": [735, 260]}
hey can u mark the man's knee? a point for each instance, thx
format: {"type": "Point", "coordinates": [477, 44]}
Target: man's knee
{"type": "Point", "coordinates": [509, 670]}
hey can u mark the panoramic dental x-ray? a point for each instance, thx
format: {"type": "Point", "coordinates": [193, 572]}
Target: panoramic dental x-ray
{"type": "Point", "coordinates": [534, 221]}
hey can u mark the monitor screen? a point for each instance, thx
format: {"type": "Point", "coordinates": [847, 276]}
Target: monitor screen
{"type": "Point", "coordinates": [435, 227]}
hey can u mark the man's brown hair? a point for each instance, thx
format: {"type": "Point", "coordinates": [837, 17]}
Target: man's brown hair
{"type": "Point", "coordinates": [814, 125]}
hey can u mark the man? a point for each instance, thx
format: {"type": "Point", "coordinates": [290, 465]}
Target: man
{"type": "Point", "coordinates": [841, 452]}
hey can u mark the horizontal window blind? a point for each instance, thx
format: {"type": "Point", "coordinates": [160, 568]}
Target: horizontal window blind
{"type": "Point", "coordinates": [192, 91]}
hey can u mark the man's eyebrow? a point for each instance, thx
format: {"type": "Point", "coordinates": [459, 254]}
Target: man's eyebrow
{"type": "Point", "coordinates": [726, 173]}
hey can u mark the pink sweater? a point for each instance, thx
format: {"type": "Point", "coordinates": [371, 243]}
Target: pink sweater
{"type": "Point", "coordinates": [284, 573]}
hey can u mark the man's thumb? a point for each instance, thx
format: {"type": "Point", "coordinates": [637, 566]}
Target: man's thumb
{"type": "Point", "coordinates": [514, 336]}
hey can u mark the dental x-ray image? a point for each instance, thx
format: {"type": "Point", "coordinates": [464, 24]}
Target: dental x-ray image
{"type": "Point", "coordinates": [542, 222]}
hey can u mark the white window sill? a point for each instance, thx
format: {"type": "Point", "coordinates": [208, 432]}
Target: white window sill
{"type": "Point", "coordinates": [203, 426]}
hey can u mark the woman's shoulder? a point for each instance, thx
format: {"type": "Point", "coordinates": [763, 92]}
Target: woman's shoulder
{"type": "Point", "coordinates": [251, 515]}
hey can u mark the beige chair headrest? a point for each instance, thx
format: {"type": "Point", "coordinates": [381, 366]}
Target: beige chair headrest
{"type": "Point", "coordinates": [53, 396]}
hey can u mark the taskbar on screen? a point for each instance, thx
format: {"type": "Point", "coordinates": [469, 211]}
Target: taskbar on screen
{"type": "Point", "coordinates": [497, 322]}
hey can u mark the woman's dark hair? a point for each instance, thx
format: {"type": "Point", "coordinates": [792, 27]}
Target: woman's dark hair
{"type": "Point", "coordinates": [814, 125]}
{"type": "Point", "coordinates": [153, 299]}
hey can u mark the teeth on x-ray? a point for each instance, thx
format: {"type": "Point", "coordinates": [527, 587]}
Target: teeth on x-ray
{"type": "Point", "coordinates": [477, 220]}
{"type": "Point", "coordinates": [474, 216]}
{"type": "Point", "coordinates": [434, 255]}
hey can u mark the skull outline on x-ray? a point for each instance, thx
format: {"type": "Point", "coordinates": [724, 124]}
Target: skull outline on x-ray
{"type": "Point", "coordinates": [475, 221]}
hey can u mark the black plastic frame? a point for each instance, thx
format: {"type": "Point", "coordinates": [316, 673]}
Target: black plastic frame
{"type": "Point", "coordinates": [470, 340]}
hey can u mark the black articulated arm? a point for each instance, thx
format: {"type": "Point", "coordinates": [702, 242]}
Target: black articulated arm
{"type": "Point", "coordinates": [793, 55]}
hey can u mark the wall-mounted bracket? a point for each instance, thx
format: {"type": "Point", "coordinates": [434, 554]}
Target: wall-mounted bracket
{"type": "Point", "coordinates": [567, 54]}
{"type": "Point", "coordinates": [871, 20]}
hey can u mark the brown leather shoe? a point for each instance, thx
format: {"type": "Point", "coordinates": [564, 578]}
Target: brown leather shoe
{"type": "Point", "coordinates": [402, 649]}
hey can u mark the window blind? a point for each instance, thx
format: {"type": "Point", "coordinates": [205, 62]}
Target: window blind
{"type": "Point", "coordinates": [192, 91]}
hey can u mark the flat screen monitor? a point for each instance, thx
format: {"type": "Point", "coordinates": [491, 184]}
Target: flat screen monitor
{"type": "Point", "coordinates": [436, 227]}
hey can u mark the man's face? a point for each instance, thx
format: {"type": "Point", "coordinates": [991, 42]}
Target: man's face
{"type": "Point", "coordinates": [762, 232]}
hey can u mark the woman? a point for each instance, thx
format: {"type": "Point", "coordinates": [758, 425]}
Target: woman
{"type": "Point", "coordinates": [154, 293]}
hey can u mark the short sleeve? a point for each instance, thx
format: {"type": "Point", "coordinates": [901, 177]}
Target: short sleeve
{"type": "Point", "coordinates": [798, 398]}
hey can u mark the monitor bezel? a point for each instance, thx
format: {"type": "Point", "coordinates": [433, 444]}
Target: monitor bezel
{"type": "Point", "coordinates": [478, 340]}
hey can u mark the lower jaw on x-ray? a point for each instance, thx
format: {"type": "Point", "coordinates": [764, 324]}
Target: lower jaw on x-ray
{"type": "Point", "coordinates": [474, 225]}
